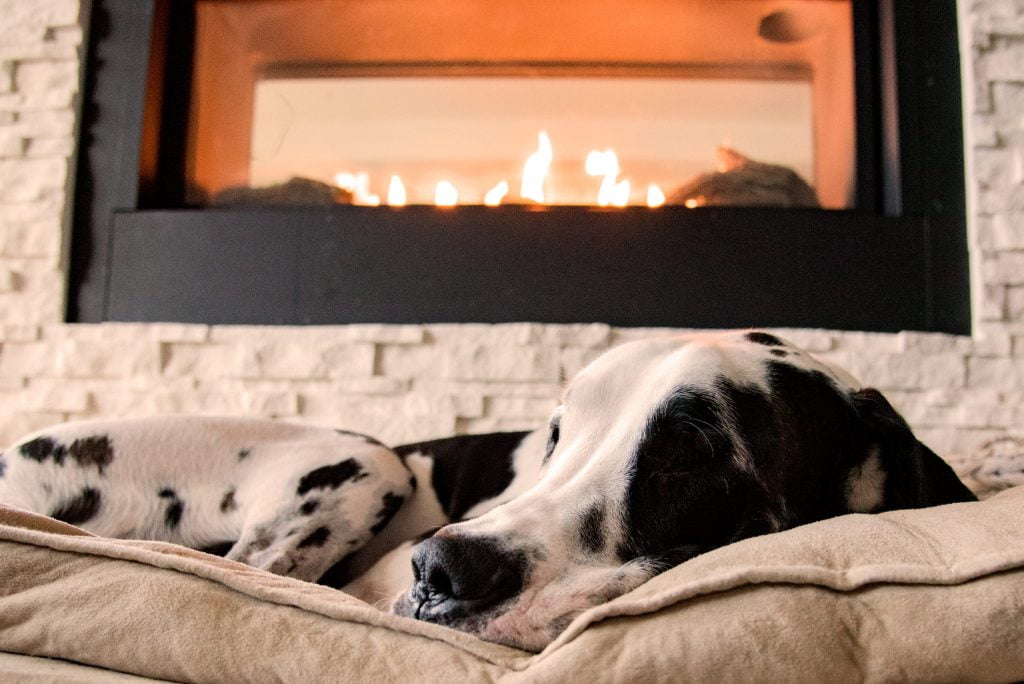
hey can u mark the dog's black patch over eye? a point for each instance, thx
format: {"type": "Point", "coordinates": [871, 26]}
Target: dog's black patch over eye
{"type": "Point", "coordinates": [592, 529]}
{"type": "Point", "coordinates": [684, 480]}
{"type": "Point", "coordinates": [332, 476]}
{"type": "Point", "coordinates": [764, 338]}
{"type": "Point", "coordinates": [79, 509]}
{"type": "Point", "coordinates": [553, 435]}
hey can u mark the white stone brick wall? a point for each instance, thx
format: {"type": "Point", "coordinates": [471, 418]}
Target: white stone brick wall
{"type": "Point", "coordinates": [414, 382]}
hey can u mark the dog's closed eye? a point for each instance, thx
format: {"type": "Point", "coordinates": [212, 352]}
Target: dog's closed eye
{"type": "Point", "coordinates": [553, 436]}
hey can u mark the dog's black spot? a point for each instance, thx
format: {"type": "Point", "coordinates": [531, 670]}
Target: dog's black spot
{"type": "Point", "coordinates": [218, 548]}
{"type": "Point", "coordinates": [95, 451]}
{"type": "Point", "coordinates": [390, 503]}
{"type": "Point", "coordinates": [80, 509]}
{"type": "Point", "coordinates": [781, 353]}
{"type": "Point", "coordinates": [764, 338]}
{"type": "Point", "coordinates": [688, 490]}
{"type": "Point", "coordinates": [244, 454]}
{"type": "Point", "coordinates": [559, 624]}
{"type": "Point", "coordinates": [359, 435]}
{"type": "Point", "coordinates": [317, 537]}
{"type": "Point", "coordinates": [43, 448]}
{"type": "Point", "coordinates": [309, 507]}
{"type": "Point", "coordinates": [339, 574]}
{"type": "Point", "coordinates": [332, 476]}
{"type": "Point", "coordinates": [175, 507]}
{"type": "Point", "coordinates": [592, 529]}
{"type": "Point", "coordinates": [468, 468]}
{"type": "Point", "coordinates": [227, 502]}
{"type": "Point", "coordinates": [412, 483]}
{"type": "Point", "coordinates": [262, 539]}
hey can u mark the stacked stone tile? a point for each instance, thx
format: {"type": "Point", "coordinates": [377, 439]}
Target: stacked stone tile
{"type": "Point", "coordinates": [415, 382]}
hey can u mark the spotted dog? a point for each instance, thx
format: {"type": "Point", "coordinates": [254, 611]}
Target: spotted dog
{"type": "Point", "coordinates": [290, 499]}
{"type": "Point", "coordinates": [661, 450]}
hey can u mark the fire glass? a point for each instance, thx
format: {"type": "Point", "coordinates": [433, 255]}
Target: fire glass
{"type": "Point", "coordinates": [454, 102]}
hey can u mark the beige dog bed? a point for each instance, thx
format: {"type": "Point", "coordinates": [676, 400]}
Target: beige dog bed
{"type": "Point", "coordinates": [923, 595]}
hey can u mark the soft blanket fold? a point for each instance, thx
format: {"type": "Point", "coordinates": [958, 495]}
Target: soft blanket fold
{"type": "Point", "coordinates": [925, 595]}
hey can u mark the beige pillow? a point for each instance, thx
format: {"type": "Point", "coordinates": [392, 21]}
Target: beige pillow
{"type": "Point", "coordinates": [934, 594]}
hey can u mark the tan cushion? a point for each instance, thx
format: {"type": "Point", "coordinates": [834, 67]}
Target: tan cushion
{"type": "Point", "coordinates": [935, 594]}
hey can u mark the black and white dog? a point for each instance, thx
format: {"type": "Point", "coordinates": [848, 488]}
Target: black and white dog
{"type": "Point", "coordinates": [659, 450]}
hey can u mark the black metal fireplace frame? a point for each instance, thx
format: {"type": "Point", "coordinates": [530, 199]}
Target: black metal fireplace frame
{"type": "Point", "coordinates": [898, 261]}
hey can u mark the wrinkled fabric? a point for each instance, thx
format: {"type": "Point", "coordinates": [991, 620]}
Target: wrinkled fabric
{"type": "Point", "coordinates": [925, 595]}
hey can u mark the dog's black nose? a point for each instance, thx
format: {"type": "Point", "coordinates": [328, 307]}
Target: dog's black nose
{"type": "Point", "coordinates": [460, 576]}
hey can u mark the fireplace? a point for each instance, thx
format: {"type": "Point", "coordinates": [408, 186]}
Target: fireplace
{"type": "Point", "coordinates": [679, 163]}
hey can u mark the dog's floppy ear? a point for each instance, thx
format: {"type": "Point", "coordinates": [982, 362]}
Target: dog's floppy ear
{"type": "Point", "coordinates": [914, 476]}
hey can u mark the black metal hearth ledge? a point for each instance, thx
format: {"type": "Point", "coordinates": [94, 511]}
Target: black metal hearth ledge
{"type": "Point", "coordinates": [628, 267]}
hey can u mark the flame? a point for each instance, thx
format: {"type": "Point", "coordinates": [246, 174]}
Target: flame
{"type": "Point", "coordinates": [496, 194]}
{"type": "Point", "coordinates": [445, 194]}
{"type": "Point", "coordinates": [619, 196]}
{"type": "Point", "coordinates": [612, 192]}
{"type": "Point", "coordinates": [694, 202]}
{"type": "Point", "coordinates": [396, 192]}
{"type": "Point", "coordinates": [359, 185]}
{"type": "Point", "coordinates": [536, 169]}
{"type": "Point", "coordinates": [655, 196]}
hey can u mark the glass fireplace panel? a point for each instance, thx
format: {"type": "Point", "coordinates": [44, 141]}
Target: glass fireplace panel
{"type": "Point", "coordinates": [738, 102]}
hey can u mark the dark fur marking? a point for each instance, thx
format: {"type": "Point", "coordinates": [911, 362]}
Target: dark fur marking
{"type": "Point", "coordinates": [80, 509]}
{"type": "Point", "coordinates": [263, 539]}
{"type": "Point", "coordinates": [390, 504]}
{"type": "Point", "coordinates": [469, 468]}
{"type": "Point", "coordinates": [228, 503]}
{"type": "Point", "coordinates": [175, 507]}
{"type": "Point", "coordinates": [317, 537]}
{"type": "Point", "coordinates": [332, 476]}
{"type": "Point", "coordinates": [359, 435]}
{"type": "Point", "coordinates": [3, 465]}
{"type": "Point", "coordinates": [309, 507]}
{"type": "Point", "coordinates": [218, 548]}
{"type": "Point", "coordinates": [338, 575]}
{"type": "Point", "coordinates": [781, 353]}
{"type": "Point", "coordinates": [95, 451]}
{"type": "Point", "coordinates": [42, 448]}
{"type": "Point", "coordinates": [764, 338]}
{"type": "Point", "coordinates": [244, 454]}
{"type": "Point", "coordinates": [592, 529]}
{"type": "Point", "coordinates": [686, 487]}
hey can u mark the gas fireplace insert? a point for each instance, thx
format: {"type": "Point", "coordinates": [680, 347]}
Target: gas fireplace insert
{"type": "Point", "coordinates": [688, 163]}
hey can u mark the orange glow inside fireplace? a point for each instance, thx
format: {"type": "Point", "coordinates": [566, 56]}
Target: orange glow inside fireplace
{"type": "Point", "coordinates": [455, 102]}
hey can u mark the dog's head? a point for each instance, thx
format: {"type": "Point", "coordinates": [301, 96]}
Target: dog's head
{"type": "Point", "coordinates": [661, 450]}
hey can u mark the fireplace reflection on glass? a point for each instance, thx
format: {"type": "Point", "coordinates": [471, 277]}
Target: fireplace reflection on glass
{"type": "Point", "coordinates": [449, 103]}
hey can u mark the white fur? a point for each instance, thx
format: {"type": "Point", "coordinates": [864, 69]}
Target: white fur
{"type": "Point", "coordinates": [199, 459]}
